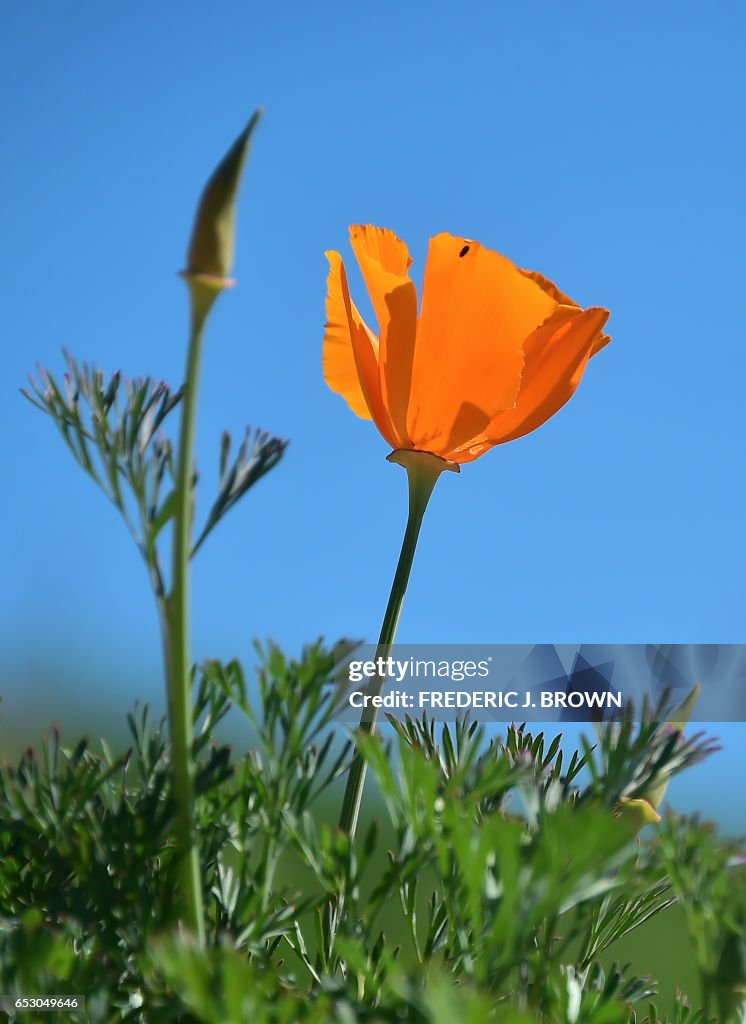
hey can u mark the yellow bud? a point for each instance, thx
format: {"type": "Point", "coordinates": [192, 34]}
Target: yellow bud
{"type": "Point", "coordinates": [210, 254]}
{"type": "Point", "coordinates": [637, 813]}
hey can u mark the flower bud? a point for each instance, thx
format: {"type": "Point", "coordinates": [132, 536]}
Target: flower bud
{"type": "Point", "coordinates": [636, 813]}
{"type": "Point", "coordinates": [211, 246]}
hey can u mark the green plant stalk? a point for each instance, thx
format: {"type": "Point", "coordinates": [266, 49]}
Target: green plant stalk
{"type": "Point", "coordinates": [423, 470]}
{"type": "Point", "coordinates": [178, 658]}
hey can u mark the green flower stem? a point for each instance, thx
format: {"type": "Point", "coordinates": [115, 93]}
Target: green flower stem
{"type": "Point", "coordinates": [423, 470]}
{"type": "Point", "coordinates": [178, 658]}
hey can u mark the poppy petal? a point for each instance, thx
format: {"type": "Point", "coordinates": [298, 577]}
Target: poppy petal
{"type": "Point", "coordinates": [340, 369]}
{"type": "Point", "coordinates": [350, 358]}
{"type": "Point", "coordinates": [477, 311]}
{"type": "Point", "coordinates": [550, 288]}
{"type": "Point", "coordinates": [601, 342]}
{"type": "Point", "coordinates": [557, 354]}
{"type": "Point", "coordinates": [384, 261]}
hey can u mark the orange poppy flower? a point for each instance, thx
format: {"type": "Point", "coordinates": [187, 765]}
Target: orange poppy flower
{"type": "Point", "coordinates": [493, 352]}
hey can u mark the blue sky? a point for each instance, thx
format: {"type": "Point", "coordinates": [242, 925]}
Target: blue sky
{"type": "Point", "coordinates": [595, 143]}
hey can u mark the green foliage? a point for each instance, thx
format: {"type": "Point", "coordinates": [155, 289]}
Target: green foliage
{"type": "Point", "coordinates": [113, 427]}
{"type": "Point", "coordinates": [497, 890]}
